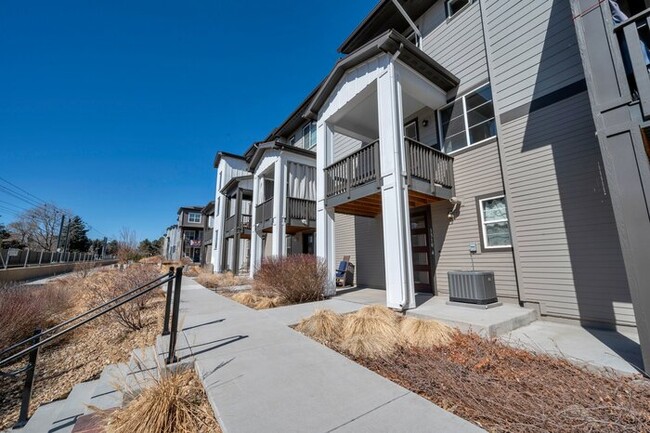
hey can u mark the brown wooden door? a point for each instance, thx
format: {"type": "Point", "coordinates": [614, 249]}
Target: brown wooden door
{"type": "Point", "coordinates": [422, 247]}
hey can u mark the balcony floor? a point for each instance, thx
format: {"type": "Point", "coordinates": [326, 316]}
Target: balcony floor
{"type": "Point", "coordinates": [370, 206]}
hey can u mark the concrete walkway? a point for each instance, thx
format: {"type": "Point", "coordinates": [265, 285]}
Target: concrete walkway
{"type": "Point", "coordinates": [260, 375]}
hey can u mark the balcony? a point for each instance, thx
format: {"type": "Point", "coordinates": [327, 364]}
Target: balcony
{"type": "Point", "coordinates": [241, 225]}
{"type": "Point", "coordinates": [300, 215]}
{"type": "Point", "coordinates": [353, 183]}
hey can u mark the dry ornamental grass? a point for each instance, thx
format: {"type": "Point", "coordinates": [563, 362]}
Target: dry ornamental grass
{"type": "Point", "coordinates": [215, 281]}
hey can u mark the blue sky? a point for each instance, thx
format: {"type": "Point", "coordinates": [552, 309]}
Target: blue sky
{"type": "Point", "coordinates": [115, 109]}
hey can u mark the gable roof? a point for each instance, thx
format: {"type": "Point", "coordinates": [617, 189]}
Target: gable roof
{"type": "Point", "coordinates": [382, 17]}
{"type": "Point", "coordinates": [221, 154]}
{"type": "Point", "coordinates": [390, 42]}
{"type": "Point", "coordinates": [276, 145]}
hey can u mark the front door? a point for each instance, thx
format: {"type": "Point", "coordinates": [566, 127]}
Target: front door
{"type": "Point", "coordinates": [423, 253]}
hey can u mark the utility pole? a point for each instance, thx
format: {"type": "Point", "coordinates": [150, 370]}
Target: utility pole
{"type": "Point", "coordinates": [58, 242]}
{"type": "Point", "coordinates": [104, 247]}
{"type": "Point", "coordinates": [67, 237]}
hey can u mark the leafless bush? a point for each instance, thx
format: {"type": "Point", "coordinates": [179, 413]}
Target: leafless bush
{"type": "Point", "coordinates": [108, 285]}
{"type": "Point", "coordinates": [294, 279]}
{"type": "Point", "coordinates": [83, 269]}
{"type": "Point", "coordinates": [504, 389]}
{"type": "Point", "coordinates": [24, 309]}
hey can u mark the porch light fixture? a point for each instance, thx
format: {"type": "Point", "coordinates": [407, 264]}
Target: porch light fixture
{"type": "Point", "coordinates": [425, 122]}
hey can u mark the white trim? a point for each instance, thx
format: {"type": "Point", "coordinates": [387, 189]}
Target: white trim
{"type": "Point", "coordinates": [189, 217]}
{"type": "Point", "coordinates": [483, 222]}
{"type": "Point", "coordinates": [448, 13]}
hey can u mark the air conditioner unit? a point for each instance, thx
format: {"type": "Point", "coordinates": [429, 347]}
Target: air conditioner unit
{"type": "Point", "coordinates": [472, 287]}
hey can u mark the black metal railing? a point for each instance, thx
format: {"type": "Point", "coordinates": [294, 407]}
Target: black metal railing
{"type": "Point", "coordinates": [301, 209]}
{"type": "Point", "coordinates": [634, 38]}
{"type": "Point", "coordinates": [356, 169]}
{"type": "Point", "coordinates": [22, 258]}
{"type": "Point", "coordinates": [264, 211]}
{"type": "Point", "coordinates": [428, 164]}
{"type": "Point", "coordinates": [40, 338]}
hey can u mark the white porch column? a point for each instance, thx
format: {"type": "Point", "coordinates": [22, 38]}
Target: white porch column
{"type": "Point", "coordinates": [400, 291]}
{"type": "Point", "coordinates": [325, 236]}
{"type": "Point", "coordinates": [219, 224]}
{"type": "Point", "coordinates": [279, 221]}
{"type": "Point", "coordinates": [256, 236]}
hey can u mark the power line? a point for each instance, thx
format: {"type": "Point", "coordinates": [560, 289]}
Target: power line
{"type": "Point", "coordinates": [19, 196]}
{"type": "Point", "coordinates": [21, 189]}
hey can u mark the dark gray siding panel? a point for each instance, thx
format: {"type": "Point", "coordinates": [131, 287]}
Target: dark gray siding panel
{"type": "Point", "coordinates": [477, 173]}
{"type": "Point", "coordinates": [533, 49]}
{"type": "Point", "coordinates": [566, 235]}
{"type": "Point", "coordinates": [457, 44]}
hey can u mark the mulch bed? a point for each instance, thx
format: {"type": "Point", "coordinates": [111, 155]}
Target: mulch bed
{"type": "Point", "coordinates": [504, 389]}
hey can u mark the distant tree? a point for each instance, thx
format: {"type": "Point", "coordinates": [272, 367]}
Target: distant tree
{"type": "Point", "coordinates": [127, 246]}
{"type": "Point", "coordinates": [78, 238]}
{"type": "Point", "coordinates": [112, 247]}
{"type": "Point", "coordinates": [150, 248]}
{"type": "Point", "coordinates": [38, 228]}
{"type": "Point", "coordinates": [4, 236]}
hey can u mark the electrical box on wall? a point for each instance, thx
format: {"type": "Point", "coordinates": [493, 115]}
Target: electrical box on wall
{"type": "Point", "coordinates": [473, 249]}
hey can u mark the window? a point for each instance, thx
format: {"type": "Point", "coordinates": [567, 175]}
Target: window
{"type": "Point", "coordinates": [292, 140]}
{"type": "Point", "coordinates": [454, 6]}
{"type": "Point", "coordinates": [467, 121]}
{"type": "Point", "coordinates": [495, 230]}
{"type": "Point", "coordinates": [194, 217]}
{"type": "Point", "coordinates": [309, 135]}
{"type": "Point", "coordinates": [411, 130]}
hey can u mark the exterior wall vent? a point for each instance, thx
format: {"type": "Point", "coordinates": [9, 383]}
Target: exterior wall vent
{"type": "Point", "coordinates": [472, 287]}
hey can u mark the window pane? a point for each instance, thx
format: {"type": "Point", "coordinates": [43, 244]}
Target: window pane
{"type": "Point", "coordinates": [494, 210]}
{"type": "Point", "coordinates": [480, 114]}
{"type": "Point", "coordinates": [478, 97]}
{"type": "Point", "coordinates": [456, 5]}
{"type": "Point", "coordinates": [411, 130]}
{"type": "Point", "coordinates": [455, 142]}
{"type": "Point", "coordinates": [312, 139]}
{"type": "Point", "coordinates": [498, 234]}
{"type": "Point", "coordinates": [482, 131]}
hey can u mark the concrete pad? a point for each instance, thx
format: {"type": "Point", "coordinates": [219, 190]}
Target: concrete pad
{"type": "Point", "coordinates": [595, 347]}
{"type": "Point", "coordinates": [260, 375]}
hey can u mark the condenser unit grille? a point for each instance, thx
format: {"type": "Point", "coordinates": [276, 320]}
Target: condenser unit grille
{"type": "Point", "coordinates": [473, 287]}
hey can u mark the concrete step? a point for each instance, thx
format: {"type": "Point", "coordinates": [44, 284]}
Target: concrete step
{"type": "Point", "coordinates": [42, 419]}
{"type": "Point", "coordinates": [108, 392]}
{"type": "Point", "coordinates": [74, 407]}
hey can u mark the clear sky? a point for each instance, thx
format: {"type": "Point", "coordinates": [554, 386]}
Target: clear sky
{"type": "Point", "coordinates": [115, 109]}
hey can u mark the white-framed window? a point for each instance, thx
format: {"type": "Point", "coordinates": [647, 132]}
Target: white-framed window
{"type": "Point", "coordinates": [454, 6]}
{"type": "Point", "coordinates": [411, 130]}
{"type": "Point", "coordinates": [194, 217]}
{"type": "Point", "coordinates": [309, 135]}
{"type": "Point", "coordinates": [495, 228]}
{"type": "Point", "coordinates": [292, 140]}
{"type": "Point", "coordinates": [467, 121]}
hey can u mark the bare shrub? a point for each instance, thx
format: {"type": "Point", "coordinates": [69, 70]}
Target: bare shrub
{"type": "Point", "coordinates": [108, 285]}
{"type": "Point", "coordinates": [226, 279]}
{"type": "Point", "coordinates": [24, 309]}
{"type": "Point", "coordinates": [175, 402]}
{"type": "Point", "coordinates": [83, 269]}
{"type": "Point", "coordinates": [294, 279]}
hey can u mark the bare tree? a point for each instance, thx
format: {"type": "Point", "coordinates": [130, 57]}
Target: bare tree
{"type": "Point", "coordinates": [38, 228]}
{"type": "Point", "coordinates": [127, 245]}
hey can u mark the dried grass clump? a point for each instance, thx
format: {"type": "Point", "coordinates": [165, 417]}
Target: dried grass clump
{"type": "Point", "coordinates": [226, 279]}
{"type": "Point", "coordinates": [323, 325]}
{"type": "Point", "coordinates": [192, 271]}
{"type": "Point", "coordinates": [378, 311]}
{"type": "Point", "coordinates": [258, 302]}
{"type": "Point", "coordinates": [294, 279]}
{"type": "Point", "coordinates": [176, 403]}
{"type": "Point", "coordinates": [369, 335]}
{"type": "Point", "coordinates": [425, 333]}
{"type": "Point", "coordinates": [154, 260]}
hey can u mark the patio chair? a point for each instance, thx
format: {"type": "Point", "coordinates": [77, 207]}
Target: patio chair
{"type": "Point", "coordinates": [345, 273]}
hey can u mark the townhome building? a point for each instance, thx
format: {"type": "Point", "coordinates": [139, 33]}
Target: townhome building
{"type": "Point", "coordinates": [504, 136]}
{"type": "Point", "coordinates": [190, 233]}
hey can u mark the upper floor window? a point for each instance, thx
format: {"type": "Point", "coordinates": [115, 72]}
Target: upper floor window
{"type": "Point", "coordinates": [292, 140]}
{"type": "Point", "coordinates": [194, 217]}
{"type": "Point", "coordinates": [309, 135]}
{"type": "Point", "coordinates": [468, 120]}
{"type": "Point", "coordinates": [411, 130]}
{"type": "Point", "coordinates": [454, 6]}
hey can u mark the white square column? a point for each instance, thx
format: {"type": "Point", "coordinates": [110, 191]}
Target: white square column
{"type": "Point", "coordinates": [400, 287]}
{"type": "Point", "coordinates": [219, 223]}
{"type": "Point", "coordinates": [325, 236]}
{"type": "Point", "coordinates": [256, 236]}
{"type": "Point", "coordinates": [279, 218]}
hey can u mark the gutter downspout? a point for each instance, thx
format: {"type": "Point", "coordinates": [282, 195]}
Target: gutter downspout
{"type": "Point", "coordinates": [410, 22]}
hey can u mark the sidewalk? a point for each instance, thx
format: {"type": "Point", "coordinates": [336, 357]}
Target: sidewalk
{"type": "Point", "coordinates": [260, 375]}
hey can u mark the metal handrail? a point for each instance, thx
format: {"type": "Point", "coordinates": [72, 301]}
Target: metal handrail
{"type": "Point", "coordinates": [171, 315]}
{"type": "Point", "coordinates": [60, 325]}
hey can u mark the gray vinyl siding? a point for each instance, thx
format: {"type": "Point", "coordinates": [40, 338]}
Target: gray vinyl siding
{"type": "Point", "coordinates": [428, 134]}
{"type": "Point", "coordinates": [457, 43]}
{"type": "Point", "coordinates": [477, 173]}
{"type": "Point", "coordinates": [533, 49]}
{"type": "Point", "coordinates": [567, 243]}
{"type": "Point", "coordinates": [362, 239]}
{"type": "Point", "coordinates": [344, 145]}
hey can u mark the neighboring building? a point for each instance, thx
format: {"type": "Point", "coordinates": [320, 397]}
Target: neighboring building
{"type": "Point", "coordinates": [473, 134]}
{"type": "Point", "coordinates": [208, 234]}
{"type": "Point", "coordinates": [190, 237]}
{"type": "Point", "coordinates": [171, 242]}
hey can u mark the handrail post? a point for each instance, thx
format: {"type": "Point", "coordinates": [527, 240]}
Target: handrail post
{"type": "Point", "coordinates": [375, 151]}
{"type": "Point", "coordinates": [171, 357]}
{"type": "Point", "coordinates": [23, 416]}
{"type": "Point", "coordinates": [168, 302]}
{"type": "Point", "coordinates": [407, 149]}
{"type": "Point", "coordinates": [349, 175]}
